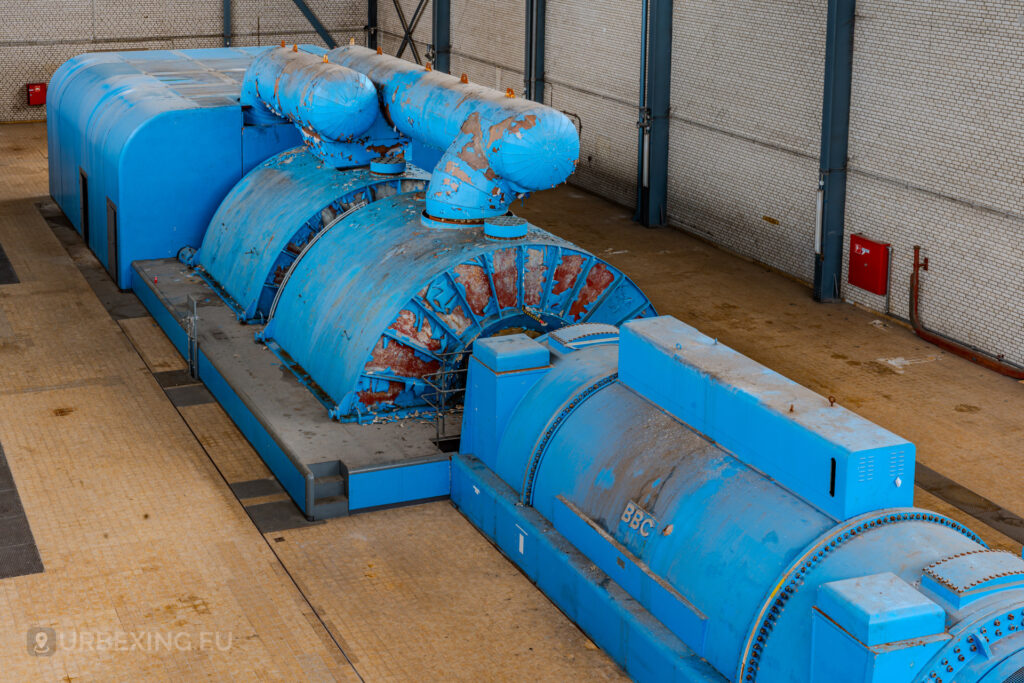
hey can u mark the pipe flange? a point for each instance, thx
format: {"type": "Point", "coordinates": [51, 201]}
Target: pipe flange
{"type": "Point", "coordinates": [506, 227]}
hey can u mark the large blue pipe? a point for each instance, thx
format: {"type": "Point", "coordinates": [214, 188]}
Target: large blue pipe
{"type": "Point", "coordinates": [496, 148]}
{"type": "Point", "coordinates": [335, 108]}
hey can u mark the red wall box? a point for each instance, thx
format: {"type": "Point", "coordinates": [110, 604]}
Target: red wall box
{"type": "Point", "coordinates": [869, 264]}
{"type": "Point", "coordinates": [36, 93]}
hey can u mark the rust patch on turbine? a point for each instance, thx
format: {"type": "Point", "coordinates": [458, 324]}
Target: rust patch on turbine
{"type": "Point", "coordinates": [374, 398]}
{"type": "Point", "coordinates": [398, 359]}
{"type": "Point", "coordinates": [566, 273]}
{"type": "Point", "coordinates": [473, 151]}
{"type": "Point", "coordinates": [533, 279]}
{"type": "Point", "coordinates": [405, 324]}
{"type": "Point", "coordinates": [506, 277]}
{"type": "Point", "coordinates": [511, 126]}
{"type": "Point", "coordinates": [598, 280]}
{"type": "Point", "coordinates": [478, 290]}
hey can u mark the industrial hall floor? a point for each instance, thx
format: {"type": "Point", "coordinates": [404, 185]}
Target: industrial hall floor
{"type": "Point", "coordinates": [141, 533]}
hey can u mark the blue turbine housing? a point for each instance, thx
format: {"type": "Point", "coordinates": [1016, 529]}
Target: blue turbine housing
{"type": "Point", "coordinates": [769, 532]}
{"type": "Point", "coordinates": [373, 277]}
{"type": "Point", "coordinates": [374, 310]}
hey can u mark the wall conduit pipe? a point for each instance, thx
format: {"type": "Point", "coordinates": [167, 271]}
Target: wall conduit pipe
{"type": "Point", "coordinates": [983, 359]}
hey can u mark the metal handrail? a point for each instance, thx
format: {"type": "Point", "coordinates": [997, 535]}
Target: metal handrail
{"type": "Point", "coordinates": [446, 387]}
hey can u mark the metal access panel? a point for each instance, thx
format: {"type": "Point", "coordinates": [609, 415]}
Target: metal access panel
{"type": "Point", "coordinates": [112, 239]}
{"type": "Point", "coordinates": [83, 192]}
{"type": "Point", "coordinates": [869, 264]}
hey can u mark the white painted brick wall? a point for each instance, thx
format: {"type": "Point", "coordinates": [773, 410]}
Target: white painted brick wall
{"type": "Point", "coordinates": [487, 39]}
{"type": "Point", "coordinates": [746, 126]}
{"type": "Point", "coordinates": [391, 31]}
{"type": "Point", "coordinates": [491, 33]}
{"type": "Point", "coordinates": [937, 160]}
{"type": "Point", "coordinates": [754, 198]}
{"type": "Point", "coordinates": [592, 59]}
{"type": "Point", "coordinates": [37, 36]}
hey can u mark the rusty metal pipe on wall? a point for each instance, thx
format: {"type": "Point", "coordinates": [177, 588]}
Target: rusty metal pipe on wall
{"type": "Point", "coordinates": [982, 359]}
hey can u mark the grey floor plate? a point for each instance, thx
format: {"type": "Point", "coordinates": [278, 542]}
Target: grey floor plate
{"type": "Point", "coordinates": [279, 516]}
{"type": "Point", "coordinates": [970, 502]}
{"type": "Point", "coordinates": [7, 274]}
{"type": "Point", "coordinates": [18, 552]}
{"type": "Point", "coordinates": [189, 395]}
{"type": "Point", "coordinates": [175, 378]}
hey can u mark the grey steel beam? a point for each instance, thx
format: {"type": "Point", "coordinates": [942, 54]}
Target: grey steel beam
{"type": "Point", "coordinates": [315, 23]}
{"type": "Point", "coordinates": [534, 67]}
{"type": "Point", "coordinates": [655, 100]}
{"type": "Point", "coordinates": [227, 23]}
{"type": "Point", "coordinates": [371, 24]}
{"type": "Point", "coordinates": [835, 141]}
{"type": "Point", "coordinates": [441, 35]}
{"type": "Point", "coordinates": [408, 28]}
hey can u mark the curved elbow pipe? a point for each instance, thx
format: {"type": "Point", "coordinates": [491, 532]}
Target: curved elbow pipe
{"type": "Point", "coordinates": [496, 148]}
{"type": "Point", "coordinates": [335, 108]}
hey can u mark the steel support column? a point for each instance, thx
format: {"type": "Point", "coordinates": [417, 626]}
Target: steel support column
{"type": "Point", "coordinates": [835, 138]}
{"type": "Point", "coordinates": [655, 99]}
{"type": "Point", "coordinates": [227, 23]}
{"type": "Point", "coordinates": [441, 35]}
{"type": "Point", "coordinates": [534, 68]}
{"type": "Point", "coordinates": [315, 23]}
{"type": "Point", "coordinates": [371, 24]}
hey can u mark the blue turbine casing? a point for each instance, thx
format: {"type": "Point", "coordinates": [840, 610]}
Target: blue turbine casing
{"type": "Point", "coordinates": [496, 148]}
{"type": "Point", "coordinates": [367, 299]}
{"type": "Point", "coordinates": [725, 547]}
{"type": "Point", "coordinates": [382, 308]}
{"type": "Point", "coordinates": [271, 216]}
{"type": "Point", "coordinates": [157, 139]}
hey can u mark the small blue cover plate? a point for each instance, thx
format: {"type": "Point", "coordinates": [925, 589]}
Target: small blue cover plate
{"type": "Point", "coordinates": [880, 608]}
{"type": "Point", "coordinates": [511, 353]}
{"type": "Point", "coordinates": [963, 578]}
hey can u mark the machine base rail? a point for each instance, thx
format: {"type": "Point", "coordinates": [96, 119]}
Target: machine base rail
{"type": "Point", "coordinates": [328, 468]}
{"type": "Point", "coordinates": [616, 622]}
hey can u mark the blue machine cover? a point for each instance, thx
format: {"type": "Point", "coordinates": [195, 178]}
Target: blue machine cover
{"type": "Point", "coordinates": [271, 216]}
{"type": "Point", "coordinates": [157, 140]}
{"type": "Point", "coordinates": [724, 554]}
{"type": "Point", "coordinates": [379, 313]}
